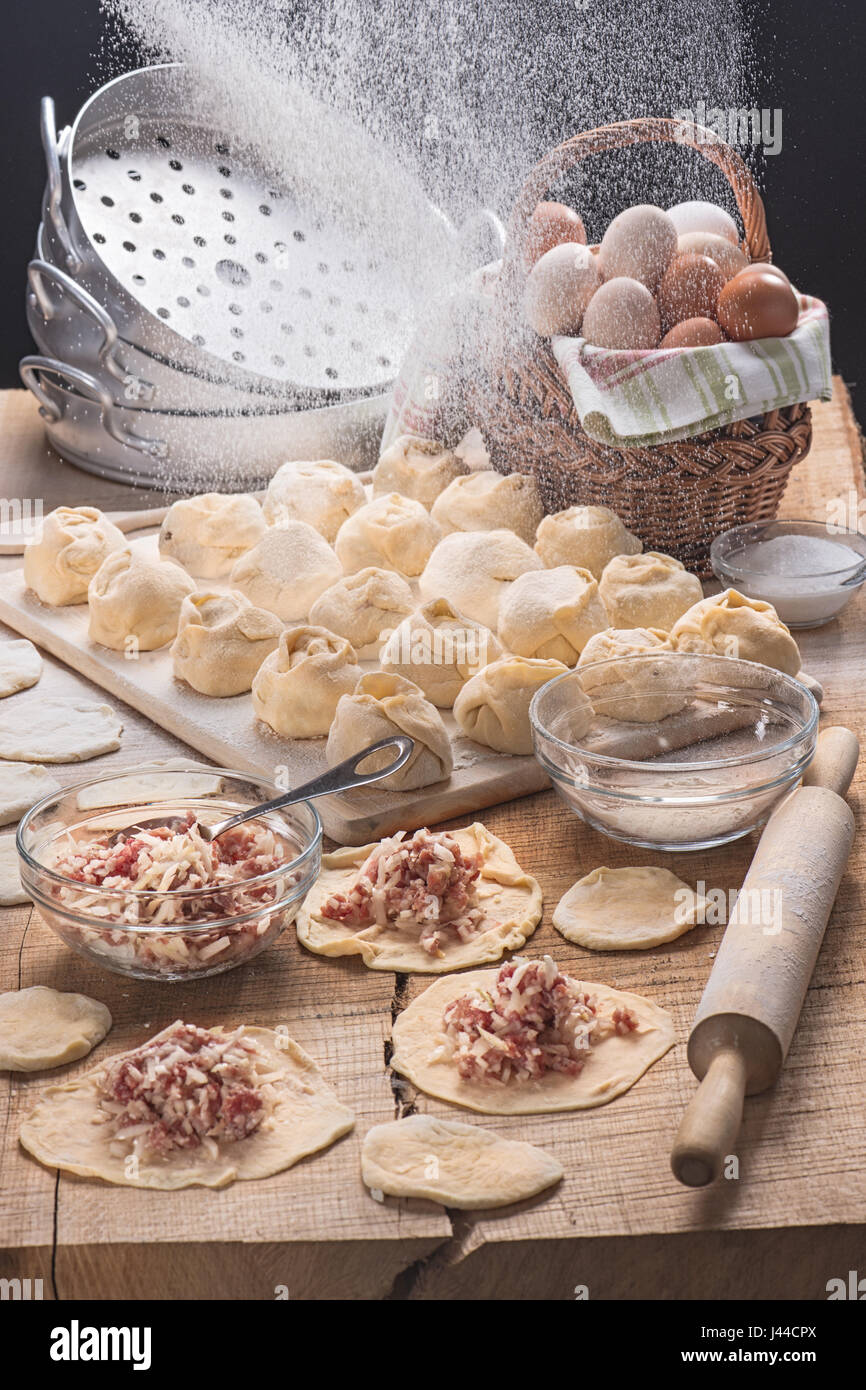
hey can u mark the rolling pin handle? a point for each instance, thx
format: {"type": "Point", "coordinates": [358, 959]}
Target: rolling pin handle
{"type": "Point", "coordinates": [709, 1127]}
{"type": "Point", "coordinates": [835, 761]}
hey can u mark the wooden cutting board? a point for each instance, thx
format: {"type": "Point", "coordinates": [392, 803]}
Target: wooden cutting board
{"type": "Point", "coordinates": [226, 730]}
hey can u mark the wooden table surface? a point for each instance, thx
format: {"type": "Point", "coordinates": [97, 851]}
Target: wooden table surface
{"type": "Point", "coordinates": [619, 1223]}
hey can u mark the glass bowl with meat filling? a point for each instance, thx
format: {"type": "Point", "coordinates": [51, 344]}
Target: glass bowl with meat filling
{"type": "Point", "coordinates": [118, 868]}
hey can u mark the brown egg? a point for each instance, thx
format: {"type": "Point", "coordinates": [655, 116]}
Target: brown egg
{"type": "Point", "coordinates": [693, 333]}
{"type": "Point", "coordinates": [757, 303]}
{"type": "Point", "coordinates": [690, 289]}
{"type": "Point", "coordinates": [550, 225]}
{"type": "Point", "coordinates": [771, 270]}
{"type": "Point", "coordinates": [558, 289]}
{"type": "Point", "coordinates": [622, 314]}
{"type": "Point", "coordinates": [730, 259]}
{"type": "Point", "coordinates": [639, 245]}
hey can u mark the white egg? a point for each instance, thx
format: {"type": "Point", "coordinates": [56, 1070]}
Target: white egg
{"type": "Point", "coordinates": [622, 314]}
{"type": "Point", "coordinates": [639, 244]}
{"type": "Point", "coordinates": [698, 216]}
{"type": "Point", "coordinates": [559, 287]}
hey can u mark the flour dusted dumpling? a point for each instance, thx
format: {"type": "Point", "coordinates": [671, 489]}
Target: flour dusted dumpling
{"type": "Point", "coordinates": [729, 624]}
{"type": "Point", "coordinates": [287, 570]}
{"type": "Point", "coordinates": [473, 569]}
{"type": "Point", "coordinates": [136, 601]}
{"type": "Point", "coordinates": [417, 468]}
{"type": "Point", "coordinates": [491, 501]}
{"type": "Point", "coordinates": [584, 536]}
{"type": "Point", "coordinates": [323, 494]}
{"type": "Point", "coordinates": [647, 590]}
{"type": "Point", "coordinates": [297, 688]}
{"type": "Point", "coordinates": [390, 533]}
{"type": "Point", "coordinates": [383, 704]}
{"type": "Point", "coordinates": [551, 613]}
{"type": "Point", "coordinates": [440, 650]}
{"type": "Point", "coordinates": [364, 607]}
{"type": "Point", "coordinates": [493, 708]}
{"type": "Point", "coordinates": [638, 692]}
{"type": "Point", "coordinates": [72, 544]}
{"type": "Point", "coordinates": [222, 640]}
{"type": "Point", "coordinates": [206, 534]}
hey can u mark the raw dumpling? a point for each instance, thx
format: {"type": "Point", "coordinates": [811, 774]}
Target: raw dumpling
{"type": "Point", "coordinates": [625, 689]}
{"type": "Point", "coordinates": [417, 468]}
{"type": "Point", "coordinates": [584, 536]}
{"type": "Point", "coordinates": [287, 570]}
{"type": "Point", "coordinates": [440, 650]}
{"type": "Point", "coordinates": [297, 688]}
{"type": "Point", "coordinates": [222, 640]}
{"type": "Point", "coordinates": [73, 543]}
{"type": "Point", "coordinates": [365, 608]}
{"type": "Point", "coordinates": [551, 613]}
{"type": "Point", "coordinates": [390, 533]}
{"type": "Point", "coordinates": [135, 602]}
{"type": "Point", "coordinates": [206, 534]}
{"type": "Point", "coordinates": [648, 590]}
{"type": "Point", "coordinates": [459, 1165]}
{"type": "Point", "coordinates": [472, 570]}
{"type": "Point", "coordinates": [629, 909]}
{"type": "Point", "coordinates": [493, 708]}
{"type": "Point", "coordinates": [385, 704]}
{"type": "Point", "coordinates": [730, 624]}
{"type": "Point", "coordinates": [491, 501]}
{"type": "Point", "coordinates": [323, 494]}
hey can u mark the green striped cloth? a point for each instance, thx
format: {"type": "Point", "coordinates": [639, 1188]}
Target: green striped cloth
{"type": "Point", "coordinates": [630, 399]}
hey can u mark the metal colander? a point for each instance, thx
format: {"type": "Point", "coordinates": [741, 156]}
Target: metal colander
{"type": "Point", "coordinates": [178, 230]}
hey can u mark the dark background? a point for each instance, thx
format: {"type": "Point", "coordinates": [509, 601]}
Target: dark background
{"type": "Point", "coordinates": [810, 57]}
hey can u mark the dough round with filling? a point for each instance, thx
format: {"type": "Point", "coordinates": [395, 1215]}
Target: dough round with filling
{"type": "Point", "coordinates": [459, 1165]}
{"type": "Point", "coordinates": [72, 544]}
{"type": "Point", "coordinates": [287, 570]}
{"type": "Point", "coordinates": [729, 624]}
{"type": "Point", "coordinates": [472, 570]}
{"type": "Point", "coordinates": [384, 704]}
{"type": "Point", "coordinates": [493, 707]}
{"type": "Point", "coordinates": [423, 1052]}
{"type": "Point", "coordinates": [491, 501]}
{"type": "Point", "coordinates": [222, 640]}
{"type": "Point", "coordinates": [647, 590]}
{"type": "Point", "coordinates": [509, 899]}
{"type": "Point", "coordinates": [207, 534]}
{"type": "Point", "coordinates": [587, 537]}
{"type": "Point", "coordinates": [135, 600]}
{"type": "Point", "coordinates": [621, 688]}
{"type": "Point", "coordinates": [305, 1116]}
{"type": "Point", "coordinates": [42, 1027]}
{"type": "Point", "coordinates": [628, 909]}
{"type": "Point", "coordinates": [551, 613]}
{"type": "Point", "coordinates": [323, 494]}
{"type": "Point", "coordinates": [365, 607]}
{"type": "Point", "coordinates": [389, 533]}
{"type": "Point", "coordinates": [440, 650]}
{"type": "Point", "coordinates": [297, 688]}
{"type": "Point", "coordinates": [417, 468]}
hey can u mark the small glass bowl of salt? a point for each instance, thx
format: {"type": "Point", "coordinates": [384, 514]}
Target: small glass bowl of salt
{"type": "Point", "coordinates": [808, 570]}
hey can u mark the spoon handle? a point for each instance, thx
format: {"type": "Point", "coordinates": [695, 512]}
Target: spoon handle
{"type": "Point", "coordinates": [344, 777]}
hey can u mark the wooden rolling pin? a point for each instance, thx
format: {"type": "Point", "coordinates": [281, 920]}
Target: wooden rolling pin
{"type": "Point", "coordinates": [750, 1007]}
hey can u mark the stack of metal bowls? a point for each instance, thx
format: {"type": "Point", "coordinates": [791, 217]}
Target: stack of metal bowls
{"type": "Point", "coordinates": [196, 325]}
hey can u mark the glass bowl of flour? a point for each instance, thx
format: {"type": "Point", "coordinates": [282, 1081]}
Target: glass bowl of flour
{"type": "Point", "coordinates": [808, 570]}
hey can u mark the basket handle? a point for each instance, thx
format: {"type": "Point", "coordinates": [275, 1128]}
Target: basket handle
{"type": "Point", "coordinates": [644, 130]}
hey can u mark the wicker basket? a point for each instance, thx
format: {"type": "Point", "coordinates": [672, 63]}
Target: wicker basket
{"type": "Point", "coordinates": [676, 497]}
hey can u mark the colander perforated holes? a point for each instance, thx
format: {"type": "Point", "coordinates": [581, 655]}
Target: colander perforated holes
{"type": "Point", "coordinates": [156, 197]}
{"type": "Point", "coordinates": [221, 148]}
{"type": "Point", "coordinates": [299, 236]}
{"type": "Point", "coordinates": [266, 212]}
{"type": "Point", "coordinates": [236, 332]}
{"type": "Point", "coordinates": [238, 357]}
{"type": "Point", "coordinates": [198, 339]}
{"type": "Point", "coordinates": [162, 140]}
{"type": "Point", "coordinates": [277, 361]}
{"type": "Point", "coordinates": [163, 313]}
{"type": "Point", "coordinates": [135, 217]}
{"type": "Point", "coordinates": [235, 309]}
{"type": "Point", "coordinates": [226, 193]}
{"type": "Point", "coordinates": [176, 217]}
{"type": "Point", "coordinates": [322, 267]}
{"type": "Point", "coordinates": [199, 241]}
{"type": "Point", "coordinates": [224, 171]}
{"type": "Point", "coordinates": [227, 216]}
{"type": "Point", "coordinates": [158, 255]}
{"type": "Point", "coordinates": [139, 280]}
{"type": "Point", "coordinates": [129, 246]}
{"type": "Point", "coordinates": [266, 307]}
{"type": "Point", "coordinates": [331, 372]}
{"type": "Point", "coordinates": [175, 164]}
{"type": "Point", "coordinates": [134, 175]}
{"type": "Point", "coordinates": [203, 290]}
{"type": "Point", "coordinates": [188, 188]}
{"type": "Point", "coordinates": [286, 328]}
{"type": "Point", "coordinates": [99, 238]}
{"type": "Point", "coordinates": [188, 262]}
{"type": "Point", "coordinates": [183, 301]}
{"type": "Point", "coordinates": [232, 273]}
{"type": "Point", "coordinates": [112, 154]}
{"type": "Point", "coordinates": [261, 258]}
{"type": "Point", "coordinates": [229, 239]}
{"type": "Point", "coordinates": [106, 201]}
{"type": "Point", "coordinates": [79, 184]}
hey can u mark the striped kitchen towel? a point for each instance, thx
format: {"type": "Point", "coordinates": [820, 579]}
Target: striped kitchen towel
{"type": "Point", "coordinates": [633, 399]}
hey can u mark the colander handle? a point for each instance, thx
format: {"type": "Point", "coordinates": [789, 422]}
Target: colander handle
{"type": "Point", "coordinates": [39, 270]}
{"type": "Point", "coordinates": [31, 369]}
{"type": "Point", "coordinates": [48, 132]}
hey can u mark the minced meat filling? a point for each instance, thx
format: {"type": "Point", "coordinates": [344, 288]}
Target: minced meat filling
{"type": "Point", "coordinates": [187, 1089]}
{"type": "Point", "coordinates": [425, 882]}
{"type": "Point", "coordinates": [533, 1021]}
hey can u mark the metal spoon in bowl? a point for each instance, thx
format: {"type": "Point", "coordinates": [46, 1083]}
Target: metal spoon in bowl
{"type": "Point", "coordinates": [345, 777]}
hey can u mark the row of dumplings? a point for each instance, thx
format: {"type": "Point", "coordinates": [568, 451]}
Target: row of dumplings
{"type": "Point", "coordinates": [320, 579]}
